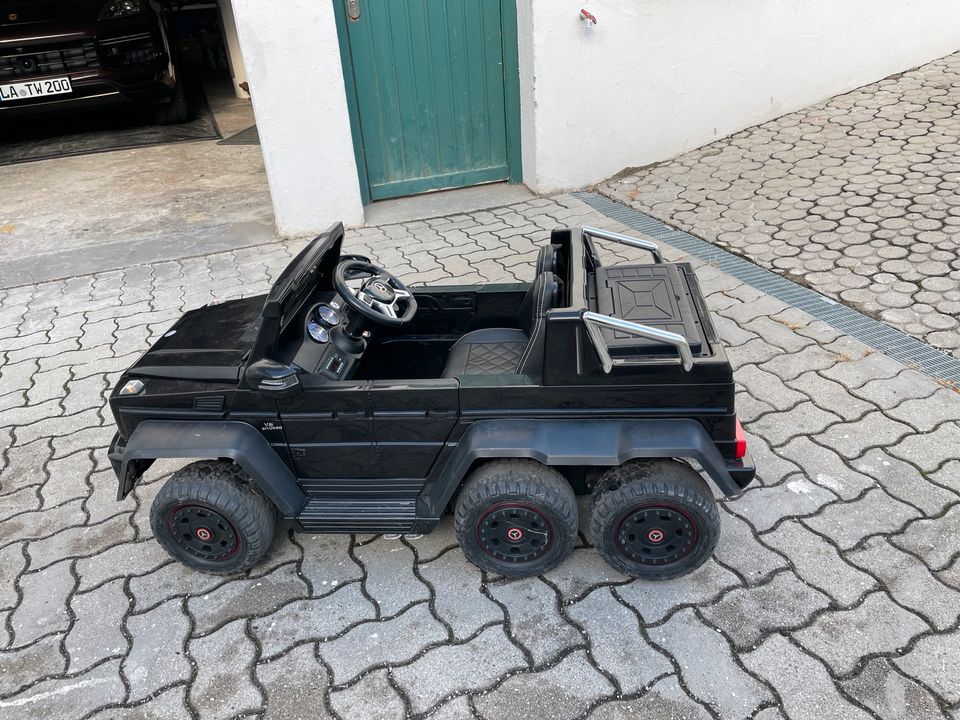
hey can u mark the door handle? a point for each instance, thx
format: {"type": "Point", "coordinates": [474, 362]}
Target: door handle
{"type": "Point", "coordinates": [353, 10]}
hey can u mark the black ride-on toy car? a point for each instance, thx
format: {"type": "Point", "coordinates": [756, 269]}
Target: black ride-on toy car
{"type": "Point", "coordinates": [346, 402]}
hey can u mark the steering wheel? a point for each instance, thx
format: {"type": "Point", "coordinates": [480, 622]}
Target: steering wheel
{"type": "Point", "coordinates": [382, 297]}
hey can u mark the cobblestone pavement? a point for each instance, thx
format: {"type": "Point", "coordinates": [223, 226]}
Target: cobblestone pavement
{"type": "Point", "coordinates": [857, 198]}
{"type": "Point", "coordinates": [835, 591]}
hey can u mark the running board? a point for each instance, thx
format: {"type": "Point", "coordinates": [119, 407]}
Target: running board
{"type": "Point", "coordinates": [362, 515]}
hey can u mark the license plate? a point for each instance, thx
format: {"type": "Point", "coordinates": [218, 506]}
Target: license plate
{"type": "Point", "coordinates": [35, 88]}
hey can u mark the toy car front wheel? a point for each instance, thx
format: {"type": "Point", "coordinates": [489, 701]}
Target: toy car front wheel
{"type": "Point", "coordinates": [654, 519]}
{"type": "Point", "coordinates": [516, 518]}
{"type": "Point", "coordinates": [210, 518]}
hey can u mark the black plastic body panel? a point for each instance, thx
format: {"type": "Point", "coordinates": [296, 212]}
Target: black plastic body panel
{"type": "Point", "coordinates": [210, 440]}
{"type": "Point", "coordinates": [597, 443]}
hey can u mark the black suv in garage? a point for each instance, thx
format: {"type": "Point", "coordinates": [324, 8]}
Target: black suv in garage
{"type": "Point", "coordinates": [60, 54]}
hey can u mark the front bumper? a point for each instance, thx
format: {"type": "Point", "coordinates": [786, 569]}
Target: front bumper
{"type": "Point", "coordinates": [128, 471]}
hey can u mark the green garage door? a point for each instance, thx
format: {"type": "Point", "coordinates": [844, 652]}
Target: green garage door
{"type": "Point", "coordinates": [432, 86]}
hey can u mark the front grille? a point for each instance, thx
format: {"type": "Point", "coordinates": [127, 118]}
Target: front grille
{"type": "Point", "coordinates": [48, 59]}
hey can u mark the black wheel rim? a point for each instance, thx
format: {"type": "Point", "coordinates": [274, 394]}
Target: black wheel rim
{"type": "Point", "coordinates": [514, 533]}
{"type": "Point", "coordinates": [203, 533]}
{"type": "Point", "coordinates": [656, 534]}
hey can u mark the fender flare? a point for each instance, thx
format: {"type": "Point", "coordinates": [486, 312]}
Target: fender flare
{"type": "Point", "coordinates": [601, 442]}
{"type": "Point", "coordinates": [238, 441]}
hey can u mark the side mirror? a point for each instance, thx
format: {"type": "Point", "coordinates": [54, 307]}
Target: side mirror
{"type": "Point", "coordinates": [273, 378]}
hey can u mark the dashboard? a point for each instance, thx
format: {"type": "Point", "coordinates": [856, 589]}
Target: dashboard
{"type": "Point", "coordinates": [319, 349]}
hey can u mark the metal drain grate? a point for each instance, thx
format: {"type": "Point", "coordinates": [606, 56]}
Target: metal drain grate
{"type": "Point", "coordinates": [884, 338]}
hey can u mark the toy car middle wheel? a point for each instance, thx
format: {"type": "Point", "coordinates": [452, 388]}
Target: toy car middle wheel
{"type": "Point", "coordinates": [516, 518]}
{"type": "Point", "coordinates": [654, 519]}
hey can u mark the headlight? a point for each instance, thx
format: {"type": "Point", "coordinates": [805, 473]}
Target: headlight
{"type": "Point", "coordinates": [122, 8]}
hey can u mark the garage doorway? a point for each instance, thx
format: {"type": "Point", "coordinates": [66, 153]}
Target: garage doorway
{"type": "Point", "coordinates": [433, 91]}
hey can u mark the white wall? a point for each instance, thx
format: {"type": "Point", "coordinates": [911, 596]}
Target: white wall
{"type": "Point", "coordinates": [234, 57]}
{"type": "Point", "coordinates": [656, 78]}
{"type": "Point", "coordinates": [292, 59]}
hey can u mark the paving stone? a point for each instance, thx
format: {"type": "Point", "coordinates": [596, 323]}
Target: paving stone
{"type": "Point", "coordinates": [327, 563]}
{"type": "Point", "coordinates": [43, 603]}
{"type": "Point", "coordinates": [616, 643]}
{"type": "Point", "coordinates": [458, 600]}
{"type": "Point", "coordinates": [390, 580]}
{"type": "Point", "coordinates": [842, 637]}
{"type": "Point", "coordinates": [97, 632]}
{"type": "Point", "coordinates": [771, 468]}
{"type": "Point", "coordinates": [788, 366]}
{"type": "Point", "coordinates": [295, 685]}
{"type": "Point", "coordinates": [124, 560]}
{"type": "Point", "coordinates": [927, 413]}
{"type": "Point", "coordinates": [831, 396]}
{"type": "Point", "coordinates": [82, 694]}
{"type": "Point", "coordinates": [764, 507]}
{"type": "Point", "coordinates": [42, 523]}
{"type": "Point", "coordinates": [747, 614]}
{"type": "Point", "coordinates": [581, 573]}
{"type": "Point", "coordinates": [168, 705]}
{"type": "Point", "coordinates": [727, 689]}
{"type": "Point", "coordinates": [224, 689]}
{"type": "Point", "coordinates": [904, 482]}
{"type": "Point", "coordinates": [66, 479]}
{"type": "Point", "coordinates": [804, 419]}
{"type": "Point", "coordinates": [803, 683]}
{"type": "Point", "coordinates": [381, 643]}
{"type": "Point", "coordinates": [565, 690]}
{"type": "Point", "coordinates": [241, 598]}
{"type": "Point", "coordinates": [935, 661]}
{"type": "Point", "coordinates": [852, 439]}
{"type": "Point", "coordinates": [372, 698]}
{"type": "Point", "coordinates": [818, 563]}
{"type": "Point", "coordinates": [890, 694]}
{"type": "Point", "coordinates": [80, 541]}
{"type": "Point", "coordinates": [739, 550]}
{"type": "Point", "coordinates": [909, 582]}
{"type": "Point", "coordinates": [20, 668]}
{"type": "Point", "coordinates": [826, 468]}
{"type": "Point", "coordinates": [948, 475]}
{"type": "Point", "coordinates": [12, 563]}
{"type": "Point", "coordinates": [654, 601]}
{"type": "Point", "coordinates": [929, 451]}
{"type": "Point", "coordinates": [457, 669]}
{"type": "Point", "coordinates": [887, 393]}
{"type": "Point", "coordinates": [847, 524]}
{"type": "Point", "coordinates": [157, 654]}
{"type": "Point", "coordinates": [431, 545]}
{"type": "Point", "coordinates": [313, 619]}
{"type": "Point", "coordinates": [665, 700]}
{"type": "Point", "coordinates": [768, 388]}
{"type": "Point", "coordinates": [535, 619]}
{"type": "Point", "coordinates": [856, 373]}
{"type": "Point", "coordinates": [936, 541]}
{"type": "Point", "coordinates": [168, 581]}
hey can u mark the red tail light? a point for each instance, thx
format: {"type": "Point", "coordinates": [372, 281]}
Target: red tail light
{"type": "Point", "coordinates": [740, 449]}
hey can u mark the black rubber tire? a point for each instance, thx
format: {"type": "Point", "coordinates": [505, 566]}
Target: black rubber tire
{"type": "Point", "coordinates": [176, 110]}
{"type": "Point", "coordinates": [499, 485]}
{"type": "Point", "coordinates": [224, 488]}
{"type": "Point", "coordinates": [640, 484]}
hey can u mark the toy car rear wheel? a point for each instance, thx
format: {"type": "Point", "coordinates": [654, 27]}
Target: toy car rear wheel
{"type": "Point", "coordinates": [516, 518]}
{"type": "Point", "coordinates": [209, 517]}
{"type": "Point", "coordinates": [654, 519]}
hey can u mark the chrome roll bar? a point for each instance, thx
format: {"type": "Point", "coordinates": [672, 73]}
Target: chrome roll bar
{"type": "Point", "coordinates": [594, 321]}
{"type": "Point", "coordinates": [648, 245]}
